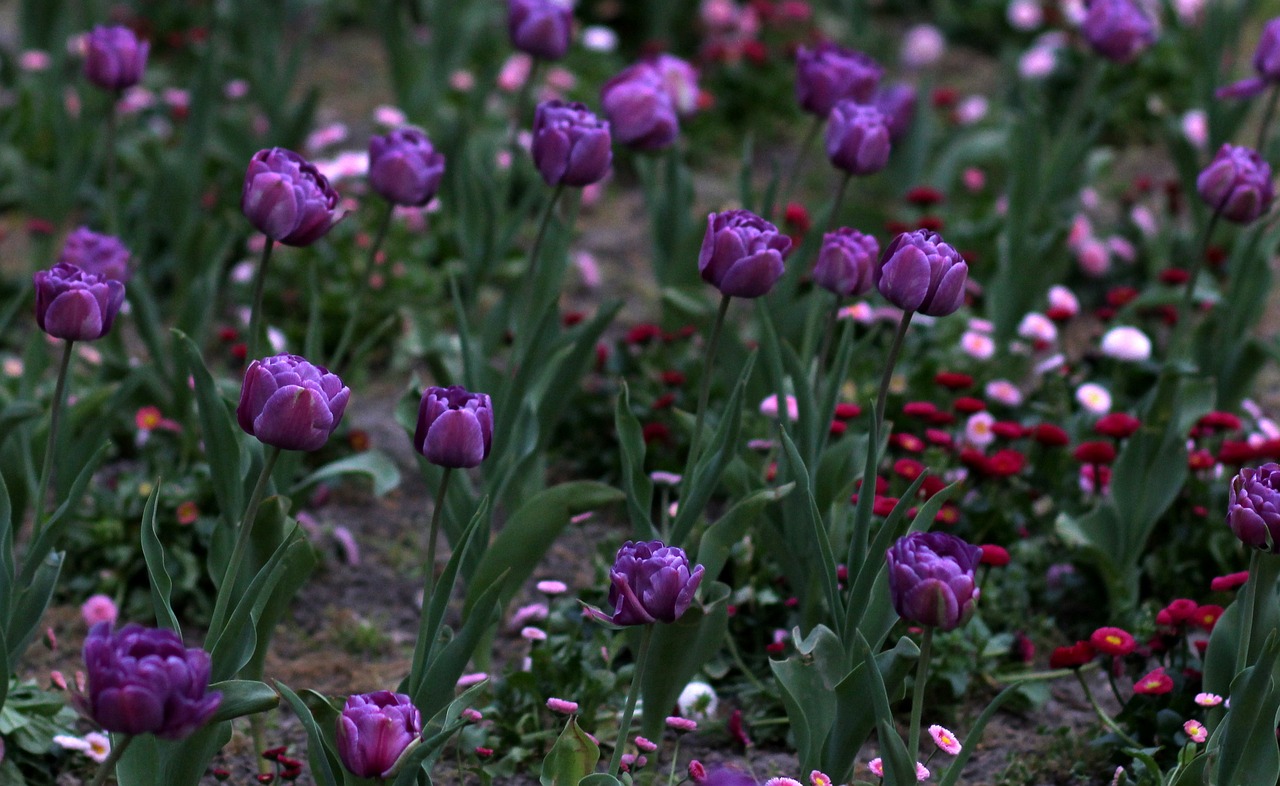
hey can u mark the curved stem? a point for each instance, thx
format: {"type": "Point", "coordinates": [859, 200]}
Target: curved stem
{"type": "Point", "coordinates": [892, 360]}
{"type": "Point", "coordinates": [1106, 719]}
{"type": "Point", "coordinates": [232, 572]}
{"type": "Point", "coordinates": [435, 531]}
{"type": "Point", "coordinates": [1246, 623]}
{"type": "Point", "coordinates": [1267, 114]}
{"type": "Point", "coordinates": [917, 693]}
{"type": "Point", "coordinates": [46, 470]}
{"type": "Point", "coordinates": [109, 764]}
{"type": "Point", "coordinates": [362, 290]}
{"type": "Point", "coordinates": [801, 155]}
{"type": "Point", "coordinates": [109, 185]}
{"type": "Point", "coordinates": [675, 758]}
{"type": "Point", "coordinates": [255, 316]}
{"type": "Point", "coordinates": [624, 725]}
{"type": "Point", "coordinates": [828, 335]}
{"type": "Point", "coordinates": [704, 391]}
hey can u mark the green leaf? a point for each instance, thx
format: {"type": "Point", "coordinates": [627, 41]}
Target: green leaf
{"type": "Point", "coordinates": [727, 531]}
{"type": "Point", "coordinates": [1248, 753]}
{"type": "Point", "coordinates": [825, 557]}
{"type": "Point", "coordinates": [443, 672]}
{"type": "Point", "coordinates": [899, 769]}
{"type": "Point", "coordinates": [222, 445]}
{"type": "Point", "coordinates": [375, 464]}
{"type": "Point", "coordinates": [53, 528]}
{"type": "Point", "coordinates": [810, 701]}
{"type": "Point", "coordinates": [153, 553]}
{"type": "Point", "coordinates": [321, 759]}
{"type": "Point", "coordinates": [636, 484]}
{"type": "Point", "coordinates": [600, 779]}
{"type": "Point", "coordinates": [680, 649]}
{"type": "Point", "coordinates": [243, 697]}
{"type": "Point", "coordinates": [30, 604]}
{"type": "Point", "coordinates": [572, 758]}
{"type": "Point", "coordinates": [974, 736]}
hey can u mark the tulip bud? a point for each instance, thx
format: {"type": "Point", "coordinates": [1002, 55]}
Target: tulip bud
{"type": "Point", "coordinates": [742, 253]}
{"type": "Point", "coordinates": [1118, 29]}
{"type": "Point", "coordinates": [571, 146]}
{"type": "Point", "coordinates": [541, 28]}
{"type": "Point", "coordinates": [846, 262]}
{"type": "Point", "coordinates": [640, 111]}
{"type": "Point", "coordinates": [404, 168]}
{"type": "Point", "coordinates": [1237, 184]}
{"type": "Point", "coordinates": [857, 138]}
{"type": "Point", "coordinates": [74, 304]}
{"type": "Point", "coordinates": [102, 255]}
{"type": "Point", "coordinates": [1253, 507]}
{"type": "Point", "coordinates": [287, 199]}
{"type": "Point", "coordinates": [919, 272]}
{"type": "Point", "coordinates": [114, 57]}
{"type": "Point", "coordinates": [376, 731]}
{"type": "Point", "coordinates": [143, 681]}
{"type": "Point", "coordinates": [828, 74]}
{"type": "Point", "coordinates": [455, 427]}
{"type": "Point", "coordinates": [931, 579]}
{"type": "Point", "coordinates": [290, 404]}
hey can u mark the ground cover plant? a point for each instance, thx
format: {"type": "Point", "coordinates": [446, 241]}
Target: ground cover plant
{"type": "Point", "coordinates": [753, 393]}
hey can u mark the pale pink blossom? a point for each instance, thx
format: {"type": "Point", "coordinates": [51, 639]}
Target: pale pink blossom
{"type": "Point", "coordinates": [598, 38]}
{"type": "Point", "coordinates": [99, 608]}
{"type": "Point", "coordinates": [876, 766]}
{"type": "Point", "coordinates": [462, 80]}
{"type": "Point", "coordinates": [1024, 15]}
{"type": "Point", "coordinates": [531, 633]}
{"type": "Point", "coordinates": [1196, 731]}
{"type": "Point", "coordinates": [390, 116]}
{"type": "Point", "coordinates": [1208, 699]}
{"type": "Point", "coordinates": [326, 136]}
{"type": "Point", "coordinates": [467, 680]}
{"type": "Point", "coordinates": [552, 587]}
{"type": "Point", "coordinates": [1122, 248]}
{"type": "Point", "coordinates": [977, 429]}
{"type": "Point", "coordinates": [562, 706]}
{"type": "Point", "coordinates": [1037, 327]}
{"type": "Point", "coordinates": [1094, 398]}
{"type": "Point", "coordinates": [971, 110]}
{"type": "Point", "coordinates": [1195, 127]}
{"type": "Point", "coordinates": [922, 46]}
{"type": "Point", "coordinates": [1126, 343]}
{"type": "Point", "coordinates": [974, 179]}
{"type": "Point", "coordinates": [945, 740]}
{"type": "Point", "coordinates": [977, 345]}
{"type": "Point", "coordinates": [515, 72]}
{"type": "Point", "coordinates": [1094, 258]}
{"type": "Point", "coordinates": [1144, 220]}
{"type": "Point", "coordinates": [1002, 391]}
{"type": "Point", "coordinates": [769, 407]}
{"type": "Point", "coordinates": [1038, 62]}
{"type": "Point", "coordinates": [33, 60]}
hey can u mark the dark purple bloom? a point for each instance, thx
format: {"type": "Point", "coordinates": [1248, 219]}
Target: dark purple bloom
{"type": "Point", "coordinates": [1237, 184]}
{"type": "Point", "coordinates": [857, 138]}
{"type": "Point", "coordinates": [114, 57]}
{"type": "Point", "coordinates": [375, 731]}
{"type": "Point", "coordinates": [75, 304]}
{"type": "Point", "coordinates": [287, 199]}
{"type": "Point", "coordinates": [455, 427]}
{"type": "Point", "coordinates": [828, 74]}
{"type": "Point", "coordinates": [742, 253]}
{"type": "Point", "coordinates": [288, 403]}
{"type": "Point", "coordinates": [404, 168]}
{"type": "Point", "coordinates": [846, 262]}
{"type": "Point", "coordinates": [680, 80]}
{"type": "Point", "coordinates": [1266, 58]}
{"type": "Point", "coordinates": [1118, 29]}
{"type": "Point", "coordinates": [1253, 507]}
{"type": "Point", "coordinates": [541, 28]}
{"type": "Point", "coordinates": [726, 776]}
{"type": "Point", "coordinates": [651, 583]}
{"type": "Point", "coordinates": [571, 146]}
{"type": "Point", "coordinates": [103, 255]}
{"type": "Point", "coordinates": [920, 272]}
{"type": "Point", "coordinates": [639, 107]}
{"type": "Point", "coordinates": [143, 681]}
{"type": "Point", "coordinates": [931, 579]}
{"type": "Point", "coordinates": [898, 105]}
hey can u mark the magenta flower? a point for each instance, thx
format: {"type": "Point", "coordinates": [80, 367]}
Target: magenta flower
{"type": "Point", "coordinates": [931, 579]}
{"type": "Point", "coordinates": [291, 404]}
{"type": "Point", "coordinates": [376, 731]}
{"type": "Point", "coordinates": [287, 199]}
{"type": "Point", "coordinates": [651, 583]}
{"type": "Point", "coordinates": [74, 304]}
{"type": "Point", "coordinates": [114, 57]}
{"type": "Point", "coordinates": [742, 253]}
{"type": "Point", "coordinates": [455, 427]}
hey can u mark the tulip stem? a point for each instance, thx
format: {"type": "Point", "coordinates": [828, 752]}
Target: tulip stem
{"type": "Point", "coordinates": [917, 692]}
{"type": "Point", "coordinates": [109, 763]}
{"type": "Point", "coordinates": [1181, 331]}
{"type": "Point", "coordinates": [526, 297]}
{"type": "Point", "coordinates": [232, 571]}
{"type": "Point", "coordinates": [1250, 603]}
{"type": "Point", "coordinates": [255, 316]}
{"type": "Point", "coordinates": [824, 346]}
{"type": "Point", "coordinates": [801, 155]}
{"type": "Point", "coordinates": [704, 391]}
{"type": "Point", "coordinates": [435, 531]}
{"type": "Point", "coordinates": [835, 205]}
{"type": "Point", "coordinates": [891, 361]}
{"type": "Point", "coordinates": [109, 176]}
{"type": "Point", "coordinates": [624, 725]}
{"type": "Point", "coordinates": [362, 290]}
{"type": "Point", "coordinates": [1267, 114]}
{"type": "Point", "coordinates": [46, 470]}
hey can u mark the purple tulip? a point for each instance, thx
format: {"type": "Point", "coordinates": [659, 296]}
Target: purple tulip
{"type": "Point", "coordinates": [829, 74]}
{"type": "Point", "coordinates": [931, 579]}
{"type": "Point", "coordinates": [102, 255]}
{"type": "Point", "coordinates": [742, 253]}
{"type": "Point", "coordinates": [455, 427]}
{"type": "Point", "coordinates": [640, 110]}
{"type": "Point", "coordinates": [571, 146]}
{"type": "Point", "coordinates": [541, 28]}
{"type": "Point", "coordinates": [846, 262]}
{"type": "Point", "coordinates": [680, 79]}
{"type": "Point", "coordinates": [919, 272]}
{"type": "Point", "coordinates": [857, 138]}
{"type": "Point", "coordinates": [898, 105]}
{"type": "Point", "coordinates": [726, 776]}
{"type": "Point", "coordinates": [287, 199]}
{"type": "Point", "coordinates": [1118, 29]}
{"type": "Point", "coordinates": [1253, 507]}
{"type": "Point", "coordinates": [404, 168]}
{"type": "Point", "coordinates": [650, 583]}
{"type": "Point", "coordinates": [114, 57]}
{"type": "Point", "coordinates": [1266, 58]}
{"type": "Point", "coordinates": [376, 731]}
{"type": "Point", "coordinates": [1237, 184]}
{"type": "Point", "coordinates": [143, 681]}
{"type": "Point", "coordinates": [74, 304]}
{"type": "Point", "coordinates": [290, 404]}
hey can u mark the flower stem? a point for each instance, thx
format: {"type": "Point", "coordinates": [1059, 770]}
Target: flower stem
{"type": "Point", "coordinates": [704, 391]}
{"type": "Point", "coordinates": [255, 316]}
{"type": "Point", "coordinates": [624, 726]}
{"type": "Point", "coordinates": [229, 576]}
{"type": "Point", "coordinates": [1267, 114]}
{"type": "Point", "coordinates": [917, 693]}
{"type": "Point", "coordinates": [892, 360]}
{"type": "Point", "coordinates": [109, 764]}
{"type": "Point", "coordinates": [828, 335]}
{"type": "Point", "coordinates": [675, 758]}
{"type": "Point", "coordinates": [1106, 719]}
{"type": "Point", "coordinates": [835, 205]}
{"type": "Point", "coordinates": [1250, 603]}
{"type": "Point", "coordinates": [109, 176]}
{"type": "Point", "coordinates": [801, 155]}
{"type": "Point", "coordinates": [524, 323]}
{"type": "Point", "coordinates": [362, 290]}
{"type": "Point", "coordinates": [46, 470]}
{"type": "Point", "coordinates": [435, 531]}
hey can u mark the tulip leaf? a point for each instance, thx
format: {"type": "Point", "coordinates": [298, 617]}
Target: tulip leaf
{"type": "Point", "coordinates": [1248, 753]}
{"type": "Point", "coordinates": [6, 558]}
{"type": "Point", "coordinates": [375, 464]}
{"type": "Point", "coordinates": [243, 697]}
{"type": "Point", "coordinates": [727, 531]}
{"type": "Point", "coordinates": [572, 758]}
{"type": "Point", "coordinates": [1224, 640]}
{"type": "Point", "coordinates": [854, 717]}
{"type": "Point", "coordinates": [600, 779]}
{"type": "Point", "coordinates": [819, 538]}
{"type": "Point", "coordinates": [5, 668]}
{"type": "Point", "coordinates": [636, 484]}
{"type": "Point", "coordinates": [31, 602]}
{"type": "Point", "coordinates": [61, 518]}
{"type": "Point", "coordinates": [323, 762]}
{"type": "Point", "coordinates": [153, 553]}
{"type": "Point", "coordinates": [899, 769]}
{"type": "Point", "coordinates": [151, 761]}
{"type": "Point", "coordinates": [678, 650]}
{"type": "Point", "coordinates": [442, 673]}
{"type": "Point", "coordinates": [974, 736]}
{"type": "Point", "coordinates": [810, 704]}
{"type": "Point", "coordinates": [223, 446]}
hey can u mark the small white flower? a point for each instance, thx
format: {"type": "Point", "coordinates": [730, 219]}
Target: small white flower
{"type": "Point", "coordinates": [599, 38]}
{"type": "Point", "coordinates": [1126, 343]}
{"type": "Point", "coordinates": [1025, 15]}
{"type": "Point", "coordinates": [1037, 327]}
{"type": "Point", "coordinates": [923, 46]}
{"type": "Point", "coordinates": [977, 429]}
{"type": "Point", "coordinates": [1195, 127]}
{"type": "Point", "coordinates": [1063, 300]}
{"type": "Point", "coordinates": [698, 700]}
{"type": "Point", "coordinates": [1094, 398]}
{"type": "Point", "coordinates": [977, 345]}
